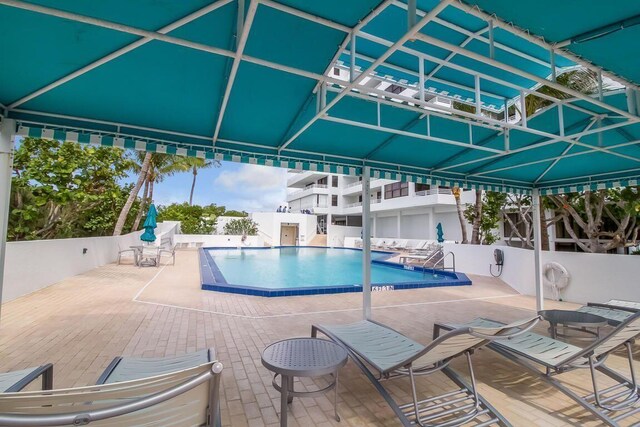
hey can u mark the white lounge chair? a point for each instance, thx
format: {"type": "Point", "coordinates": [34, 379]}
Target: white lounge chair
{"type": "Point", "coordinates": [124, 251]}
{"type": "Point", "coordinates": [392, 354]}
{"type": "Point", "coordinates": [400, 245]}
{"type": "Point", "coordinates": [412, 245]}
{"type": "Point", "coordinates": [381, 244]}
{"type": "Point", "coordinates": [534, 351]}
{"type": "Point", "coordinates": [171, 251]}
{"type": "Point", "coordinates": [185, 397]}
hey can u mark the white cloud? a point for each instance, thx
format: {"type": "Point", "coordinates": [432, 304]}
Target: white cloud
{"type": "Point", "coordinates": [253, 187]}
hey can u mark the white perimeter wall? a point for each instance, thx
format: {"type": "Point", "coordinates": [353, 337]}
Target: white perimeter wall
{"type": "Point", "coordinates": [336, 234]}
{"type": "Point", "coordinates": [594, 277]}
{"type": "Point", "coordinates": [36, 264]}
{"type": "Point", "coordinates": [218, 240]}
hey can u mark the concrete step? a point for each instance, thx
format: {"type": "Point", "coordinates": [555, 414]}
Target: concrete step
{"type": "Point", "coordinates": [319, 240]}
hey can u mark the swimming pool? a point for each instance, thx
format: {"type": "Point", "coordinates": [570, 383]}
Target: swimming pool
{"type": "Point", "coordinates": [295, 270]}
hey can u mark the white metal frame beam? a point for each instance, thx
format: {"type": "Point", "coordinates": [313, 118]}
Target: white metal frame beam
{"type": "Point", "coordinates": [185, 43]}
{"type": "Point", "coordinates": [116, 54]}
{"type": "Point", "coordinates": [530, 76]}
{"type": "Point", "coordinates": [499, 23]}
{"type": "Point", "coordinates": [243, 29]}
{"type": "Point", "coordinates": [7, 131]}
{"type": "Point", "coordinates": [573, 138]}
{"type": "Point", "coordinates": [355, 82]}
{"type": "Point", "coordinates": [379, 9]}
{"type": "Point", "coordinates": [347, 89]}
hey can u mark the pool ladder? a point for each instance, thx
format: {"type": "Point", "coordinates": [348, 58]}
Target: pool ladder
{"type": "Point", "coordinates": [439, 261]}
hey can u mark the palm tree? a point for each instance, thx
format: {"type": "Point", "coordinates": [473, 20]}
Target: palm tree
{"type": "Point", "coordinates": [160, 167]}
{"type": "Point", "coordinates": [142, 175]}
{"type": "Point", "coordinates": [193, 164]}
{"type": "Point", "coordinates": [463, 224]}
{"type": "Point", "coordinates": [143, 205]}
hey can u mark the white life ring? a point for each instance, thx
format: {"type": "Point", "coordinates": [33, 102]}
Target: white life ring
{"type": "Point", "coordinates": [556, 277]}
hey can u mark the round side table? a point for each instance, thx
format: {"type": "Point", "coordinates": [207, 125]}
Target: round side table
{"type": "Point", "coordinates": [303, 357]}
{"type": "Point", "coordinates": [573, 319]}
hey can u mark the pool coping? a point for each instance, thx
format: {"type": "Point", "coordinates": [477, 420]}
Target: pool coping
{"type": "Point", "coordinates": [212, 279]}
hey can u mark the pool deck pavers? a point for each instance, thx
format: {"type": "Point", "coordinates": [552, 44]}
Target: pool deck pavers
{"type": "Point", "coordinates": [81, 323]}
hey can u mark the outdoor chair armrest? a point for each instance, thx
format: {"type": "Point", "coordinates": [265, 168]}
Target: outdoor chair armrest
{"type": "Point", "coordinates": [46, 371]}
{"type": "Point", "coordinates": [611, 307]}
{"type": "Point", "coordinates": [521, 327]}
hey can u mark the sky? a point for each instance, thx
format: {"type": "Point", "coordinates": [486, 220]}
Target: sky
{"type": "Point", "coordinates": [237, 186]}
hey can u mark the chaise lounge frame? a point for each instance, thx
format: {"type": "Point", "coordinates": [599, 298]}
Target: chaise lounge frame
{"type": "Point", "coordinates": [450, 409]}
{"type": "Point", "coordinates": [557, 357]}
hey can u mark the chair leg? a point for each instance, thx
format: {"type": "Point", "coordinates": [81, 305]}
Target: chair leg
{"type": "Point", "coordinates": [415, 396]}
{"type": "Point", "coordinates": [630, 399]}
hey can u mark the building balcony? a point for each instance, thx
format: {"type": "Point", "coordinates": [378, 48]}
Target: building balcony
{"type": "Point", "coordinates": [356, 187]}
{"type": "Point", "coordinates": [312, 189]}
{"type": "Point", "coordinates": [302, 179]}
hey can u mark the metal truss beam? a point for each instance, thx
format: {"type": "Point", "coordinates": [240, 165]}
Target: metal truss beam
{"type": "Point", "coordinates": [118, 53]}
{"type": "Point", "coordinates": [407, 36]}
{"type": "Point", "coordinates": [243, 29]}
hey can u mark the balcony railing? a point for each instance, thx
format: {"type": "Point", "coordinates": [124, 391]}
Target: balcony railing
{"type": "Point", "coordinates": [355, 205]}
{"type": "Point", "coordinates": [353, 184]}
{"type": "Point", "coordinates": [434, 191]}
{"type": "Point", "coordinates": [322, 186]}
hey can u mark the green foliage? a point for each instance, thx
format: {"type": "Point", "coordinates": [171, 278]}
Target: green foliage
{"type": "Point", "coordinates": [241, 226]}
{"type": "Point", "coordinates": [65, 190]}
{"type": "Point", "coordinates": [236, 213]}
{"type": "Point", "coordinates": [492, 204]}
{"type": "Point", "coordinates": [194, 219]}
{"type": "Point", "coordinates": [599, 221]}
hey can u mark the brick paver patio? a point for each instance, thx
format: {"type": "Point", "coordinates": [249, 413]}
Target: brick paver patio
{"type": "Point", "coordinates": [83, 322]}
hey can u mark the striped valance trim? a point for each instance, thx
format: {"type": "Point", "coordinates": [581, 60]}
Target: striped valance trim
{"type": "Point", "coordinates": [447, 182]}
{"type": "Point", "coordinates": [216, 153]}
{"type": "Point", "coordinates": [591, 186]}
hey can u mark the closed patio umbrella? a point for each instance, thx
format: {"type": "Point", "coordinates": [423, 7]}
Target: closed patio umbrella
{"type": "Point", "coordinates": [149, 225]}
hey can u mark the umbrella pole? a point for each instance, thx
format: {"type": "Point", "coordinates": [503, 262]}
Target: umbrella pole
{"type": "Point", "coordinates": [366, 243]}
{"type": "Point", "coordinates": [537, 249]}
{"type": "Point", "coordinates": [7, 130]}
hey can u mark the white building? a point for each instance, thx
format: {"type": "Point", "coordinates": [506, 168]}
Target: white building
{"type": "Point", "coordinates": [401, 210]}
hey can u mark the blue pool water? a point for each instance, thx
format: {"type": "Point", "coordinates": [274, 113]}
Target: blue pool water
{"type": "Point", "coordinates": [308, 268]}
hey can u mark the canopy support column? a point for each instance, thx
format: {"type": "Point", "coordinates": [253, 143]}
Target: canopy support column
{"type": "Point", "coordinates": [537, 248]}
{"type": "Point", "coordinates": [366, 243]}
{"type": "Point", "coordinates": [7, 131]}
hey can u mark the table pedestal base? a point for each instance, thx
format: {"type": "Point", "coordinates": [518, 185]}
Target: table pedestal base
{"type": "Point", "coordinates": [287, 393]}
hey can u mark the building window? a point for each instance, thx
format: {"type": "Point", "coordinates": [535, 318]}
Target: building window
{"type": "Point", "coordinates": [322, 181]}
{"type": "Point", "coordinates": [336, 71]}
{"type": "Point", "coordinates": [334, 200]}
{"type": "Point", "coordinates": [397, 189]}
{"type": "Point", "coordinates": [422, 187]}
{"type": "Point", "coordinates": [334, 181]}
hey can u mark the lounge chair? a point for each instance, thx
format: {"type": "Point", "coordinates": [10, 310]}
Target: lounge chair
{"type": "Point", "coordinates": [390, 244]}
{"type": "Point", "coordinates": [17, 380]}
{"type": "Point", "coordinates": [392, 354]}
{"type": "Point", "coordinates": [171, 251]}
{"type": "Point", "coordinates": [413, 245]}
{"type": "Point", "coordinates": [400, 245]}
{"type": "Point", "coordinates": [535, 351]}
{"type": "Point", "coordinates": [124, 251]}
{"type": "Point", "coordinates": [173, 392]}
{"type": "Point", "coordinates": [381, 244]}
{"type": "Point", "coordinates": [149, 256]}
{"type": "Point", "coordinates": [615, 314]}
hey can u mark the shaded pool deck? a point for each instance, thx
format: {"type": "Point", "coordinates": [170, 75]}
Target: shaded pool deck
{"type": "Point", "coordinates": [81, 323]}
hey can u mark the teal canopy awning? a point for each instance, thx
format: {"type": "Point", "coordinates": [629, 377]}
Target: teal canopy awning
{"type": "Point", "coordinates": [282, 83]}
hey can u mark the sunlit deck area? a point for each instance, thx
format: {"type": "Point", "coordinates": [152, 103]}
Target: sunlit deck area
{"type": "Point", "coordinates": [81, 323]}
